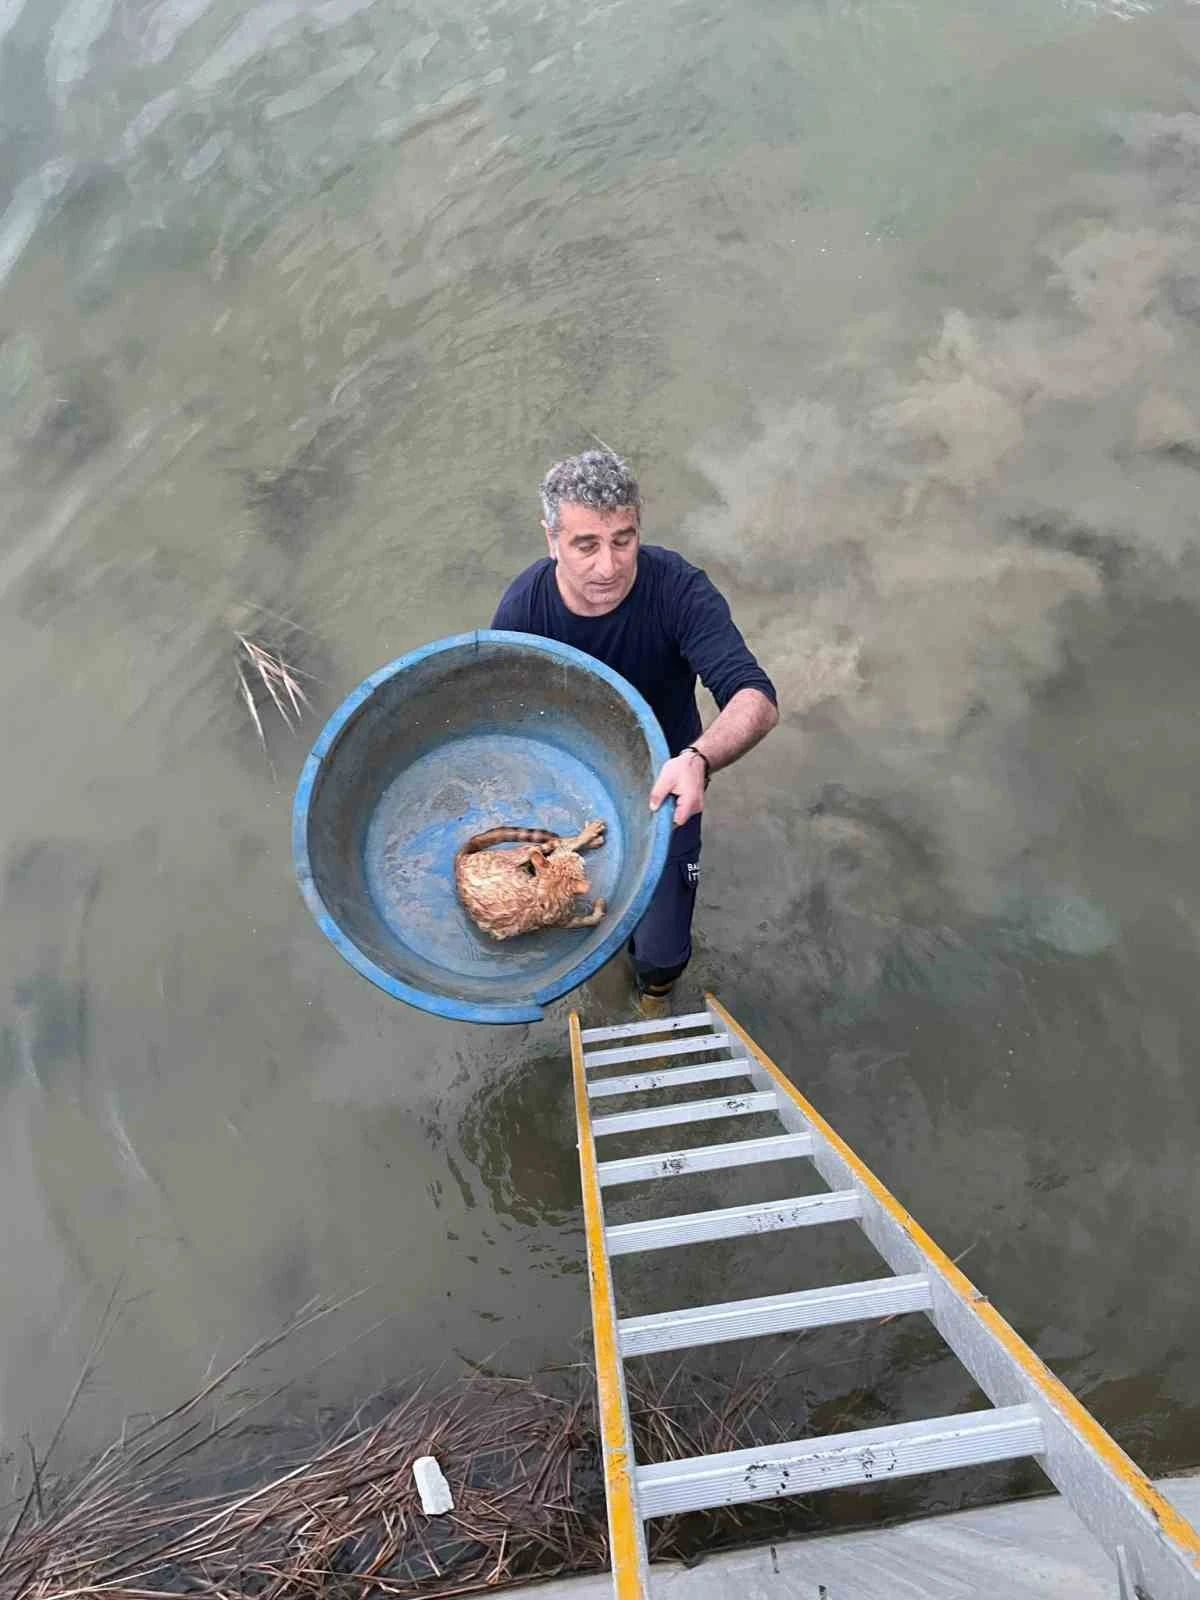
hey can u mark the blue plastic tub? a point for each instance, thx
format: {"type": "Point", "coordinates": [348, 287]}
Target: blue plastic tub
{"type": "Point", "coordinates": [469, 733]}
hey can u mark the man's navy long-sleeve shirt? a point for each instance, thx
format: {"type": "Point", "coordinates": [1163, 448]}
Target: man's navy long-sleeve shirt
{"type": "Point", "coordinates": [673, 627]}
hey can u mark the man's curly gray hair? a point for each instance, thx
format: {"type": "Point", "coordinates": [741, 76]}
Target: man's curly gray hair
{"type": "Point", "coordinates": [597, 478]}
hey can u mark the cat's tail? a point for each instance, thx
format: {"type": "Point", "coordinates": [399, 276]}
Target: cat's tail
{"type": "Point", "coordinates": [484, 841]}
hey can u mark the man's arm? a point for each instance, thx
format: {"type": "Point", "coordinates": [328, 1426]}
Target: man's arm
{"type": "Point", "coordinates": [716, 651]}
{"type": "Point", "coordinates": [748, 717]}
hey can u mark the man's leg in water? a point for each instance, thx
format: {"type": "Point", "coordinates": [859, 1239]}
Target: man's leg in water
{"type": "Point", "coordinates": [661, 946]}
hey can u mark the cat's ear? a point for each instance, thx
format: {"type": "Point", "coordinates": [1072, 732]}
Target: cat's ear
{"type": "Point", "coordinates": [538, 862]}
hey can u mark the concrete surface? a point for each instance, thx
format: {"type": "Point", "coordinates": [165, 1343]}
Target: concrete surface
{"type": "Point", "coordinates": [1027, 1550]}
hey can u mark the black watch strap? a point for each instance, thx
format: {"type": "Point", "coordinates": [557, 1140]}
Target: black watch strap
{"type": "Point", "coordinates": [703, 757]}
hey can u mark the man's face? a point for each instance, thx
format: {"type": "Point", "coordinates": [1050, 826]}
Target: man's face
{"type": "Point", "coordinates": [597, 553]}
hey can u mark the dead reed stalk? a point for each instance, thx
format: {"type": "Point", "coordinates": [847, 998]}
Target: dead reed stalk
{"type": "Point", "coordinates": [174, 1511]}
{"type": "Point", "coordinates": [273, 678]}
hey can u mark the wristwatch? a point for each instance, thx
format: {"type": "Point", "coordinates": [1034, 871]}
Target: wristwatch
{"type": "Point", "coordinates": [707, 768]}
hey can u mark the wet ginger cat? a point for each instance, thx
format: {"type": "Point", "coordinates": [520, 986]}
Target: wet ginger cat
{"type": "Point", "coordinates": [507, 892]}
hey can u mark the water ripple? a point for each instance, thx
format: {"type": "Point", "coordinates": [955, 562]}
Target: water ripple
{"type": "Point", "coordinates": [169, 24]}
{"type": "Point", "coordinates": [76, 33]}
{"type": "Point", "coordinates": [10, 15]}
{"type": "Point", "coordinates": [322, 84]}
{"type": "Point", "coordinates": [245, 42]}
{"type": "Point", "coordinates": [32, 198]}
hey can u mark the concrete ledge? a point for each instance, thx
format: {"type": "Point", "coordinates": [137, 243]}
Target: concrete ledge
{"type": "Point", "coordinates": [1022, 1550]}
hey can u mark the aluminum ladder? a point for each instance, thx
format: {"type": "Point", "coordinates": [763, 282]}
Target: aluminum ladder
{"type": "Point", "coordinates": [1156, 1551]}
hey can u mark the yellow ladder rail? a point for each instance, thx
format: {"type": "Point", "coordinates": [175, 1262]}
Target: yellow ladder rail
{"type": "Point", "coordinates": [626, 1534]}
{"type": "Point", "coordinates": [1156, 1551]}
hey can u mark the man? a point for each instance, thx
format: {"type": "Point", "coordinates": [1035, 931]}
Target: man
{"type": "Point", "coordinates": [660, 623]}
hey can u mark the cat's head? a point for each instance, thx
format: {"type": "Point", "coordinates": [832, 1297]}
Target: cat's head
{"type": "Point", "coordinates": [570, 872]}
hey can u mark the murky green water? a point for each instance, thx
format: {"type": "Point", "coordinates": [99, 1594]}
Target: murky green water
{"type": "Point", "coordinates": [896, 307]}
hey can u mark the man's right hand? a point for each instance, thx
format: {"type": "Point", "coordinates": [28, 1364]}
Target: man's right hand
{"type": "Point", "coordinates": [683, 777]}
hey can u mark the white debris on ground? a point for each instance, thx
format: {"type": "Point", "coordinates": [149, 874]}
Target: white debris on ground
{"type": "Point", "coordinates": [436, 1498]}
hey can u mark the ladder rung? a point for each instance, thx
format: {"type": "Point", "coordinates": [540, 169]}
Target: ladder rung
{"type": "Point", "coordinates": [647, 1052]}
{"type": "Point", "coordinates": [706, 1158]}
{"type": "Point", "coordinates": [734, 1105]}
{"type": "Point", "coordinates": [639, 1083]}
{"type": "Point", "coordinates": [694, 1019]}
{"type": "Point", "coordinates": [778, 1471]}
{"type": "Point", "coordinates": [764, 1216]}
{"type": "Point", "coordinates": [773, 1313]}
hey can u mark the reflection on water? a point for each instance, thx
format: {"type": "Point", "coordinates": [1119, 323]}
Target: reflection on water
{"type": "Point", "coordinates": [896, 308]}
{"type": "Point", "coordinates": [519, 1132]}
